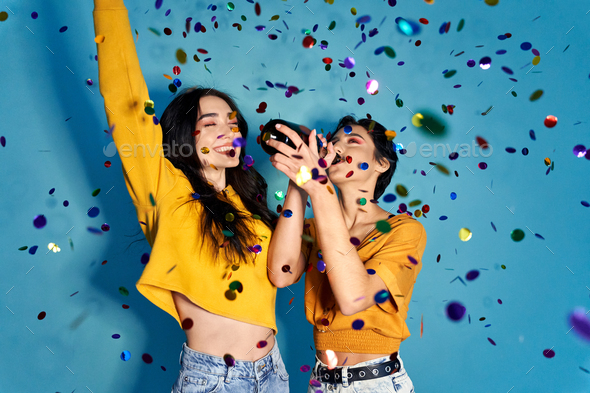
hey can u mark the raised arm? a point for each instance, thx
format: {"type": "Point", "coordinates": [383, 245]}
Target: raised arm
{"type": "Point", "coordinates": [138, 139]}
{"type": "Point", "coordinates": [285, 243]}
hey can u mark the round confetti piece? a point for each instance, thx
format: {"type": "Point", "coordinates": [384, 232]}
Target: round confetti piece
{"type": "Point", "coordinates": [381, 296]}
{"type": "Point", "coordinates": [455, 311]}
{"type": "Point", "coordinates": [349, 63]}
{"type": "Point", "coordinates": [389, 198]}
{"type": "Point", "coordinates": [230, 295]}
{"type": "Point", "coordinates": [464, 234]}
{"type": "Point", "coordinates": [472, 275]}
{"type": "Point", "coordinates": [349, 174]}
{"type": "Point", "coordinates": [517, 235]}
{"type": "Point", "coordinates": [550, 121]}
{"type": "Point", "coordinates": [383, 226]}
{"type": "Point", "coordinates": [321, 266]}
{"type": "Point", "coordinates": [347, 129]}
{"type": "Point", "coordinates": [363, 201]}
{"type": "Point", "coordinates": [99, 39]}
{"type": "Point", "coordinates": [364, 166]}
{"type": "Point", "coordinates": [229, 360]}
{"type": "Point", "coordinates": [305, 368]}
{"type": "Point", "coordinates": [581, 323]}
{"type": "Point", "coordinates": [358, 324]}
{"type": "Point", "coordinates": [279, 196]}
{"type": "Point", "coordinates": [261, 344]}
{"type": "Point", "coordinates": [123, 291]}
{"type": "Point", "coordinates": [401, 190]}
{"type": "Point", "coordinates": [187, 324]}
{"type": "Point", "coordinates": [125, 355]}
{"type": "Point", "coordinates": [39, 221]}
{"type": "Point", "coordinates": [287, 213]}
{"type": "Point", "coordinates": [205, 150]}
{"type": "Point", "coordinates": [229, 217]}
{"type": "Point", "coordinates": [332, 359]}
{"type": "Point", "coordinates": [355, 241]}
{"type": "Point", "coordinates": [308, 42]}
{"type": "Point", "coordinates": [63, 29]}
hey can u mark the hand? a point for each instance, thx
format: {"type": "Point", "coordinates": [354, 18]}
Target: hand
{"type": "Point", "coordinates": [290, 161]}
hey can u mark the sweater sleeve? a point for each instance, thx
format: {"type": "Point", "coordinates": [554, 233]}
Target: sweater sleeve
{"type": "Point", "coordinates": [393, 263]}
{"type": "Point", "coordinates": [137, 137]}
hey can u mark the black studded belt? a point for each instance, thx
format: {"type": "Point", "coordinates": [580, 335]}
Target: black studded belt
{"type": "Point", "coordinates": [359, 373]}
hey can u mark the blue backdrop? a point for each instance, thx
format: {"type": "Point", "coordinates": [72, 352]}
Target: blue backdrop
{"type": "Point", "coordinates": [65, 301]}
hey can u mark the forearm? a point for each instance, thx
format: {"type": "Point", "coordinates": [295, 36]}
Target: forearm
{"type": "Point", "coordinates": [346, 273]}
{"type": "Point", "coordinates": [285, 244]}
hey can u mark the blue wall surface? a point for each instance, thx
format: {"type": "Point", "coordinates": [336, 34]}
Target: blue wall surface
{"type": "Point", "coordinates": [62, 307]}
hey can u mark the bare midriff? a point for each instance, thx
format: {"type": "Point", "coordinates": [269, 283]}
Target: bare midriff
{"type": "Point", "coordinates": [217, 335]}
{"type": "Point", "coordinates": [353, 358]}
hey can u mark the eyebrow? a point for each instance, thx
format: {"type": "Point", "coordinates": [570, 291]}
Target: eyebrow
{"type": "Point", "coordinates": [212, 115]}
{"type": "Point", "coordinates": [335, 139]}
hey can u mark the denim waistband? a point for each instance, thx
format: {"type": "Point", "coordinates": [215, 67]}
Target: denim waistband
{"type": "Point", "coordinates": [191, 359]}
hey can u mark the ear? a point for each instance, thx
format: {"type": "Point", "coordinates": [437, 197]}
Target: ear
{"type": "Point", "coordinates": [382, 166]}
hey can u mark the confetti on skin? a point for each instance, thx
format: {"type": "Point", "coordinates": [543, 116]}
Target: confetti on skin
{"type": "Point", "coordinates": [261, 344]}
{"type": "Point", "coordinates": [332, 359]}
{"type": "Point", "coordinates": [205, 150]}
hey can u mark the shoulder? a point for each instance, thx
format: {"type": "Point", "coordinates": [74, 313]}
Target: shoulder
{"type": "Point", "coordinates": [405, 226]}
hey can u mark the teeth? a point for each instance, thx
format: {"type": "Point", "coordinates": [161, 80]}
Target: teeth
{"type": "Point", "coordinates": [222, 149]}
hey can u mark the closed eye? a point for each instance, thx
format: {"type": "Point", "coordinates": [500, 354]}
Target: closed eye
{"type": "Point", "coordinates": [353, 140]}
{"type": "Point", "coordinates": [231, 124]}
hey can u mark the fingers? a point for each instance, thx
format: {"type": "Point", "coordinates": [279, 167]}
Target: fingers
{"type": "Point", "coordinates": [295, 138]}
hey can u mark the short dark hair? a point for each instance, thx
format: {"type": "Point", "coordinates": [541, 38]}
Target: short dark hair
{"type": "Point", "coordinates": [384, 149]}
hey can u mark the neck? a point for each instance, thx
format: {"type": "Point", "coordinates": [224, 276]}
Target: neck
{"type": "Point", "coordinates": [349, 197]}
{"type": "Point", "coordinates": [215, 177]}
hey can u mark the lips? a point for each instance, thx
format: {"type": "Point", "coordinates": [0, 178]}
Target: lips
{"type": "Point", "coordinates": [337, 160]}
{"type": "Point", "coordinates": [225, 151]}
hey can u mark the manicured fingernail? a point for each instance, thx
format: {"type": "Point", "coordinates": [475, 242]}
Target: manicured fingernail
{"type": "Point", "coordinates": [278, 125]}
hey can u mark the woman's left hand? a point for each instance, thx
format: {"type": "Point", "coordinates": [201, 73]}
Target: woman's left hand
{"type": "Point", "coordinates": [292, 161]}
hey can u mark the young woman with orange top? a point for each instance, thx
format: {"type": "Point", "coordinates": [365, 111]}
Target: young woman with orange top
{"type": "Point", "coordinates": [361, 262]}
{"type": "Point", "coordinates": [202, 208]}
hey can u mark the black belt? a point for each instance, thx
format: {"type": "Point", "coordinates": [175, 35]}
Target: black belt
{"type": "Point", "coordinates": [359, 373]}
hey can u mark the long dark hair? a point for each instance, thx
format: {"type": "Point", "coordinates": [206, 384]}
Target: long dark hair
{"type": "Point", "coordinates": [384, 149]}
{"type": "Point", "coordinates": [178, 123]}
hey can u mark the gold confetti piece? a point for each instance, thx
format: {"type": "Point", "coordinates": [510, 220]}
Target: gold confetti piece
{"type": "Point", "coordinates": [547, 161]}
{"type": "Point", "coordinates": [464, 234]}
{"type": "Point", "coordinates": [303, 176]}
{"type": "Point", "coordinates": [205, 150]}
{"type": "Point", "coordinates": [235, 129]}
{"type": "Point", "coordinates": [167, 77]}
{"type": "Point", "coordinates": [148, 104]}
{"type": "Point", "coordinates": [99, 39]}
{"type": "Point", "coordinates": [390, 135]}
{"type": "Point", "coordinates": [233, 115]}
{"type": "Point", "coordinates": [213, 166]}
{"type": "Point", "coordinates": [330, 189]}
{"type": "Point", "coordinates": [417, 120]}
{"type": "Point", "coordinates": [53, 247]}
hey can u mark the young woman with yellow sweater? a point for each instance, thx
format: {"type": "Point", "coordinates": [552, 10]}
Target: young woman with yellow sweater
{"type": "Point", "coordinates": [359, 279]}
{"type": "Point", "coordinates": [202, 208]}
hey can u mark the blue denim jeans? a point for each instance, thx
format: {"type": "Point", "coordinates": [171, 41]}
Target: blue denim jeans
{"type": "Point", "coordinates": [202, 373]}
{"type": "Point", "coordinates": [396, 382]}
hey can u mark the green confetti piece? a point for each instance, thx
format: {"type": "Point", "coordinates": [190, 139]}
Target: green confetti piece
{"type": "Point", "coordinates": [156, 32]}
{"type": "Point", "coordinates": [383, 226]}
{"type": "Point", "coordinates": [96, 192]}
{"type": "Point", "coordinates": [152, 200]}
{"type": "Point", "coordinates": [332, 25]}
{"type": "Point", "coordinates": [389, 52]}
